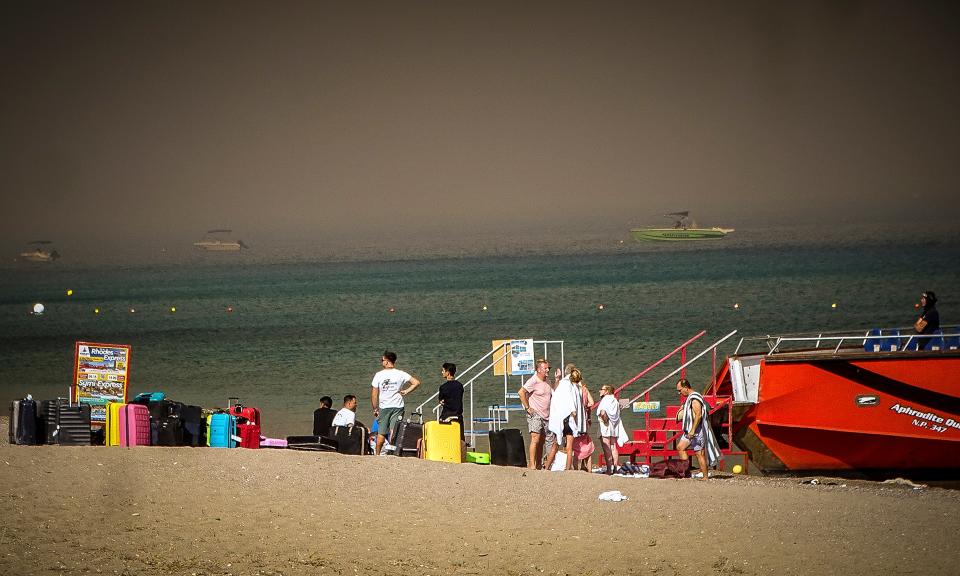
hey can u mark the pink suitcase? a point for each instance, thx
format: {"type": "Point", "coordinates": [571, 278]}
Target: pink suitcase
{"type": "Point", "coordinates": [134, 425]}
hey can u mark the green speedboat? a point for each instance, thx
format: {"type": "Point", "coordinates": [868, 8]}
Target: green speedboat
{"type": "Point", "coordinates": [680, 231]}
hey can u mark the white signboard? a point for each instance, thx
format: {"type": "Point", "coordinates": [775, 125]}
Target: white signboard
{"type": "Point", "coordinates": [521, 356]}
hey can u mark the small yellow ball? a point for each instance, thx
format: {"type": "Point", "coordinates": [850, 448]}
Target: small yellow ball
{"type": "Point", "coordinates": [70, 292]}
{"type": "Point", "coordinates": [834, 305]}
{"type": "Point", "coordinates": [737, 469]}
{"type": "Point", "coordinates": [173, 308]}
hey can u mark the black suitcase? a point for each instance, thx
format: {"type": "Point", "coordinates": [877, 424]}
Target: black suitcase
{"type": "Point", "coordinates": [349, 439]}
{"type": "Point", "coordinates": [23, 422]}
{"type": "Point", "coordinates": [507, 449]}
{"type": "Point", "coordinates": [73, 424]}
{"type": "Point", "coordinates": [159, 411]}
{"type": "Point", "coordinates": [407, 436]}
{"type": "Point", "coordinates": [194, 426]}
{"type": "Point", "coordinates": [170, 431]}
{"type": "Point", "coordinates": [47, 422]}
{"type": "Point", "coordinates": [316, 443]}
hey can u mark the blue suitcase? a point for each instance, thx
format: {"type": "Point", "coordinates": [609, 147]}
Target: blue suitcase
{"type": "Point", "coordinates": [222, 432]}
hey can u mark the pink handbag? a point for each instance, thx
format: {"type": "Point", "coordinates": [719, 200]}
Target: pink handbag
{"type": "Point", "coordinates": [583, 446]}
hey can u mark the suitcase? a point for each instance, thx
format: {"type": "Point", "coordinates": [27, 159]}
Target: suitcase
{"type": "Point", "coordinates": [315, 443]}
{"type": "Point", "coordinates": [169, 431]}
{"type": "Point", "coordinates": [441, 441]}
{"type": "Point", "coordinates": [478, 457]}
{"type": "Point", "coordinates": [73, 423]}
{"type": "Point", "coordinates": [134, 428]}
{"type": "Point", "coordinates": [112, 424]}
{"type": "Point", "coordinates": [222, 431]}
{"type": "Point", "coordinates": [506, 448]}
{"type": "Point", "coordinates": [249, 435]}
{"type": "Point", "coordinates": [47, 422]}
{"type": "Point", "coordinates": [23, 421]}
{"type": "Point", "coordinates": [349, 439]}
{"type": "Point", "coordinates": [407, 437]}
{"type": "Point", "coordinates": [243, 413]}
{"type": "Point", "coordinates": [194, 426]}
{"type": "Point", "coordinates": [147, 398]}
{"type": "Point", "coordinates": [159, 411]}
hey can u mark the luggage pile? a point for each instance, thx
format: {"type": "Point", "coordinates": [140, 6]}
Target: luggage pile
{"type": "Point", "coordinates": [150, 419]}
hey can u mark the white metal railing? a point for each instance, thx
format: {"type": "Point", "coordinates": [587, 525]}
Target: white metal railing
{"type": "Point", "coordinates": [504, 347]}
{"type": "Point", "coordinates": [891, 341]}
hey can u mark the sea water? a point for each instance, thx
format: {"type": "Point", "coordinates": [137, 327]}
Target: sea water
{"type": "Point", "coordinates": [279, 335]}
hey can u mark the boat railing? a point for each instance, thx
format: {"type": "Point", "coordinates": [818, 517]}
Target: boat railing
{"type": "Point", "coordinates": [903, 339]}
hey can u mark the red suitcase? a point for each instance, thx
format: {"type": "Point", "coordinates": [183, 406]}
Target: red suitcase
{"type": "Point", "coordinates": [251, 415]}
{"type": "Point", "coordinates": [249, 435]}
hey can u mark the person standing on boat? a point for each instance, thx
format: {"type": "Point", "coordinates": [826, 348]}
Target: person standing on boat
{"type": "Point", "coordinates": [697, 433]}
{"type": "Point", "coordinates": [929, 320]}
{"type": "Point", "coordinates": [535, 395]}
{"type": "Point", "coordinates": [386, 395]}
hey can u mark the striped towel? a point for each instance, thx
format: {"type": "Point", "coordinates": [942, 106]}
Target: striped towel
{"type": "Point", "coordinates": [712, 448]}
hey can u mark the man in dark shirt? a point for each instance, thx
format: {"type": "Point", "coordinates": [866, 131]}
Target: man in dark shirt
{"type": "Point", "coordinates": [929, 320]}
{"type": "Point", "coordinates": [451, 396]}
{"type": "Point", "coordinates": [323, 417]}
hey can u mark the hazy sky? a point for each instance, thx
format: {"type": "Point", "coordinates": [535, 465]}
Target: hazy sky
{"type": "Point", "coordinates": [146, 120]}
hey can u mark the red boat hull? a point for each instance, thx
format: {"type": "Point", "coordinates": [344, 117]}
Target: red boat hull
{"type": "Point", "coordinates": [861, 412]}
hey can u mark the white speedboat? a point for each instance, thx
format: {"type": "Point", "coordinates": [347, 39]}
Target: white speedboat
{"type": "Point", "coordinates": [219, 241]}
{"type": "Point", "coordinates": [40, 253]}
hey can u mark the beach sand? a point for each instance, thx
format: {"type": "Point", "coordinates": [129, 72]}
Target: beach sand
{"type": "Point", "coordinates": [92, 510]}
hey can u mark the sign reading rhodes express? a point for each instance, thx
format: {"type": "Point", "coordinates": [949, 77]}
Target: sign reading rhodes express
{"type": "Point", "coordinates": [100, 375]}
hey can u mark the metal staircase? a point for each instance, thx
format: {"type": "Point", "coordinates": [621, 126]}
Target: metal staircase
{"type": "Point", "coordinates": [498, 415]}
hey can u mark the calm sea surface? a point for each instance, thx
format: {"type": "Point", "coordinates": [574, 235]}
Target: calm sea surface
{"type": "Point", "coordinates": [301, 329]}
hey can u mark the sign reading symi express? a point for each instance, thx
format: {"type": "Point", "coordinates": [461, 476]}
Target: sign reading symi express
{"type": "Point", "coordinates": [100, 375]}
{"type": "Point", "coordinates": [521, 356]}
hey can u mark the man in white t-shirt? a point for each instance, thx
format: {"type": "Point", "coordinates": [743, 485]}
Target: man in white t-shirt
{"type": "Point", "coordinates": [387, 394]}
{"type": "Point", "coordinates": [347, 416]}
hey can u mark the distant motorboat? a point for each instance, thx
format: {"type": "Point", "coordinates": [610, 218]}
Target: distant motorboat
{"type": "Point", "coordinates": [218, 241]}
{"type": "Point", "coordinates": [683, 229]}
{"type": "Point", "coordinates": [40, 253]}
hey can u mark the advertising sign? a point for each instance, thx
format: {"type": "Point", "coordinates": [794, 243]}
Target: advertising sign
{"type": "Point", "coordinates": [653, 406]}
{"type": "Point", "coordinates": [515, 359]}
{"type": "Point", "coordinates": [521, 357]}
{"type": "Point", "coordinates": [100, 375]}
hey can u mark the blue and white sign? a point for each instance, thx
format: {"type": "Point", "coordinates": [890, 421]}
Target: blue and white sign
{"type": "Point", "coordinates": [521, 356]}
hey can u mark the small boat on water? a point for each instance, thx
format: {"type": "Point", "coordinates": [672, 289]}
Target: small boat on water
{"type": "Point", "coordinates": [219, 241]}
{"type": "Point", "coordinates": [40, 253]}
{"type": "Point", "coordinates": [874, 401]}
{"type": "Point", "coordinates": [683, 229]}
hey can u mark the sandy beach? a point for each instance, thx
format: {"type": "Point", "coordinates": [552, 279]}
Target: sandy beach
{"type": "Point", "coordinates": [247, 512]}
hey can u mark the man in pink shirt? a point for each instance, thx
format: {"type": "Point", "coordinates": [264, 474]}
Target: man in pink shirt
{"type": "Point", "coordinates": [535, 397]}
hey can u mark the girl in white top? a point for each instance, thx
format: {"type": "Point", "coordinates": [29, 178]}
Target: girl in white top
{"type": "Point", "coordinates": [608, 410]}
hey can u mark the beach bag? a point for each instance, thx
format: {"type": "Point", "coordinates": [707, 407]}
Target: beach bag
{"type": "Point", "coordinates": [671, 468]}
{"type": "Point", "coordinates": [559, 462]}
{"type": "Point", "coordinates": [583, 447]}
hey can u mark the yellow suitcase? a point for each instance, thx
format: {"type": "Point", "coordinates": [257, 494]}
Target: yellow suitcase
{"type": "Point", "coordinates": [441, 442]}
{"type": "Point", "coordinates": [113, 423]}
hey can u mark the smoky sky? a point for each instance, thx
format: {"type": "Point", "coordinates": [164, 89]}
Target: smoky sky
{"type": "Point", "coordinates": [385, 120]}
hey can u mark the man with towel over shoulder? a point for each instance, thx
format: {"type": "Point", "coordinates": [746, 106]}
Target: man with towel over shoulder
{"type": "Point", "coordinates": [697, 433]}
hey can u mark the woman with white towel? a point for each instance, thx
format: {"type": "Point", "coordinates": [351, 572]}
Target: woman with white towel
{"type": "Point", "coordinates": [608, 411]}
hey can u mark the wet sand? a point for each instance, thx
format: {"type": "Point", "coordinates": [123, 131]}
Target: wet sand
{"type": "Point", "coordinates": [90, 510]}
